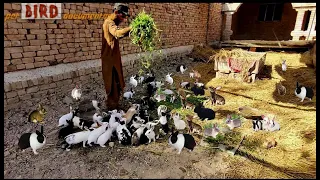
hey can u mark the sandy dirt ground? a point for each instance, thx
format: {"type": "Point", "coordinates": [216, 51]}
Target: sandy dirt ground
{"type": "Point", "coordinates": [156, 160]}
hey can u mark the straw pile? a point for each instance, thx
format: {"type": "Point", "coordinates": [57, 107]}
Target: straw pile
{"type": "Point", "coordinates": [239, 55]}
{"type": "Point", "coordinates": [202, 53]}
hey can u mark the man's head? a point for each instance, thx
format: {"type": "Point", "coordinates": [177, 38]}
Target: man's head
{"type": "Point", "coordinates": [121, 10]}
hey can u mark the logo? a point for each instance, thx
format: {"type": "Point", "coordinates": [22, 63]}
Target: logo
{"type": "Point", "coordinates": [41, 10]}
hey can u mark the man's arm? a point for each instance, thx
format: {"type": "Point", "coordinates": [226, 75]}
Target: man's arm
{"type": "Point", "coordinates": [117, 33]}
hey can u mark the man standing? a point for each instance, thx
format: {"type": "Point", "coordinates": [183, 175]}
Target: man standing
{"type": "Point", "coordinates": [110, 54]}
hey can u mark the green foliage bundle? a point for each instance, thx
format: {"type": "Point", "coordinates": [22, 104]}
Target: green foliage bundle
{"type": "Point", "coordinates": [145, 34]}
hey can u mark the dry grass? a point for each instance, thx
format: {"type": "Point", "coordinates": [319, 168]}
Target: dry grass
{"type": "Point", "coordinates": [296, 149]}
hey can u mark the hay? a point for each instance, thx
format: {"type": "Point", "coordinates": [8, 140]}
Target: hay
{"type": "Point", "coordinates": [239, 55]}
{"type": "Point", "coordinates": [202, 53]}
{"type": "Point", "coordinates": [296, 143]}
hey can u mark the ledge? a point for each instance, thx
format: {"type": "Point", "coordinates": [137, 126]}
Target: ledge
{"type": "Point", "coordinates": [25, 75]}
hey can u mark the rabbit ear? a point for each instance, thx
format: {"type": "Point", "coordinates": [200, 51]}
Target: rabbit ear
{"type": "Point", "coordinates": [219, 87]}
{"type": "Point", "coordinates": [297, 84]}
{"type": "Point", "coordinates": [41, 130]}
{"type": "Point", "coordinates": [228, 116]}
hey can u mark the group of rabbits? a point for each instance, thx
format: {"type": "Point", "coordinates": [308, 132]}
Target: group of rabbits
{"type": "Point", "coordinates": [136, 126]}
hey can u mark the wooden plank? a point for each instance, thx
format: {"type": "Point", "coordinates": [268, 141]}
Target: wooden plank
{"type": "Point", "coordinates": [273, 43]}
{"type": "Point", "coordinates": [259, 46]}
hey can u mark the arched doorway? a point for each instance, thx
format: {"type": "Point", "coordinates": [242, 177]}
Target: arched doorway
{"type": "Point", "coordinates": [262, 21]}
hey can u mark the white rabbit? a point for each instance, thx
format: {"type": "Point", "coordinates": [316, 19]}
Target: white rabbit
{"type": "Point", "coordinates": [133, 81]}
{"type": "Point", "coordinates": [76, 93]}
{"type": "Point", "coordinates": [179, 123]}
{"type": "Point", "coordinates": [159, 84]}
{"type": "Point", "coordinates": [191, 74]}
{"type": "Point", "coordinates": [169, 79]}
{"type": "Point", "coordinates": [168, 92]}
{"type": "Point", "coordinates": [163, 119]}
{"type": "Point", "coordinates": [129, 94]}
{"type": "Point", "coordinates": [199, 84]}
{"type": "Point", "coordinates": [106, 136]}
{"type": "Point", "coordinates": [77, 122]}
{"type": "Point", "coordinates": [151, 134]}
{"type": "Point", "coordinates": [184, 84]}
{"type": "Point", "coordinates": [94, 135]}
{"type": "Point", "coordinates": [140, 79]}
{"type": "Point", "coordinates": [284, 65]}
{"type": "Point", "coordinates": [76, 138]}
{"type": "Point", "coordinates": [63, 120]}
{"type": "Point", "coordinates": [271, 125]}
{"type": "Point", "coordinates": [97, 118]}
{"type": "Point", "coordinates": [95, 104]}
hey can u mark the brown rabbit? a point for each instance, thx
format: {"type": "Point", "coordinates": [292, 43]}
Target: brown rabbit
{"type": "Point", "coordinates": [197, 75]}
{"type": "Point", "coordinates": [193, 127]}
{"type": "Point", "coordinates": [216, 98]}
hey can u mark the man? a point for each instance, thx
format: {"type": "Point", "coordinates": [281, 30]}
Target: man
{"type": "Point", "coordinates": [110, 55]}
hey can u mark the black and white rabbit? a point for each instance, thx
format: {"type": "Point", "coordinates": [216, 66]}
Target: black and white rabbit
{"type": "Point", "coordinates": [34, 140]}
{"type": "Point", "coordinates": [179, 141]}
{"type": "Point", "coordinates": [302, 92]}
{"type": "Point", "coordinates": [123, 134]}
{"type": "Point", "coordinates": [65, 131]}
{"type": "Point", "coordinates": [198, 90]}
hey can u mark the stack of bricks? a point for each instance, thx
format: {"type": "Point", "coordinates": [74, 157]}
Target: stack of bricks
{"type": "Point", "coordinates": [33, 44]}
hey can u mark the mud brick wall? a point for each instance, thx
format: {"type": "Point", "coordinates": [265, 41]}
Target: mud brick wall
{"type": "Point", "coordinates": [215, 22]}
{"type": "Point", "coordinates": [33, 44]}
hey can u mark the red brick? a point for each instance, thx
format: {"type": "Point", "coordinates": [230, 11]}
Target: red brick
{"type": "Point", "coordinates": [31, 36]}
{"type": "Point", "coordinates": [16, 6]}
{"type": "Point", "coordinates": [25, 43]}
{"type": "Point", "coordinates": [21, 66]}
{"type": "Point", "coordinates": [22, 31]}
{"type": "Point", "coordinates": [37, 42]}
{"type": "Point", "coordinates": [63, 51]}
{"type": "Point", "coordinates": [16, 55]}
{"type": "Point", "coordinates": [29, 66]}
{"type": "Point", "coordinates": [31, 48]}
{"type": "Point", "coordinates": [7, 55]}
{"type": "Point", "coordinates": [8, 6]}
{"type": "Point", "coordinates": [37, 31]}
{"type": "Point", "coordinates": [38, 59]}
{"type": "Point", "coordinates": [28, 60]}
{"type": "Point", "coordinates": [45, 47]}
{"type": "Point", "coordinates": [41, 64]}
{"type": "Point", "coordinates": [16, 61]}
{"type": "Point", "coordinates": [41, 36]}
{"type": "Point", "coordinates": [13, 50]}
{"type": "Point", "coordinates": [7, 43]}
{"type": "Point", "coordinates": [51, 26]}
{"type": "Point", "coordinates": [49, 58]}
{"type": "Point", "coordinates": [59, 56]}
{"type": "Point", "coordinates": [29, 54]}
{"type": "Point", "coordinates": [14, 25]}
{"type": "Point", "coordinates": [59, 36]}
{"type": "Point", "coordinates": [16, 37]}
{"type": "Point", "coordinates": [6, 62]}
{"type": "Point", "coordinates": [30, 26]}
